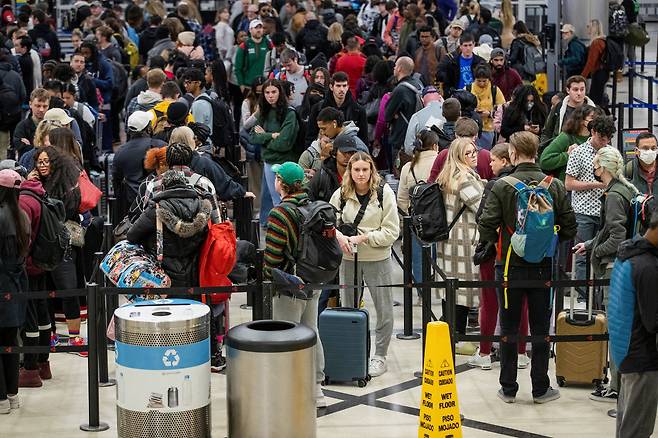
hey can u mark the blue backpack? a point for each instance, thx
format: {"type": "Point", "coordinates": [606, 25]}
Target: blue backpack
{"type": "Point", "coordinates": [535, 236]}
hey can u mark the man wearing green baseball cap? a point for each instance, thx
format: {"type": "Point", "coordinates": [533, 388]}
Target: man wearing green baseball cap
{"type": "Point", "coordinates": [281, 238]}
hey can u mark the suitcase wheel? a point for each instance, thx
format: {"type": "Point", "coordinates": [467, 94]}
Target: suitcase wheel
{"type": "Point", "coordinates": [362, 383]}
{"type": "Point", "coordinates": [561, 381]}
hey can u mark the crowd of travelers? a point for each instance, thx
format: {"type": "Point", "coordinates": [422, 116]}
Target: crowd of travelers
{"type": "Point", "coordinates": [352, 108]}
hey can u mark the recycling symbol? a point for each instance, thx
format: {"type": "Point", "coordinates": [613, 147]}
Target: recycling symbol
{"type": "Point", "coordinates": [170, 358]}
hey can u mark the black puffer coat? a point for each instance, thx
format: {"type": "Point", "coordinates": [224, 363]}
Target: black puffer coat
{"type": "Point", "coordinates": [185, 226]}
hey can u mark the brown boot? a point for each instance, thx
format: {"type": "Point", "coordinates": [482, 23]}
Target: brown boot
{"type": "Point", "coordinates": [29, 379]}
{"type": "Point", "coordinates": [44, 371]}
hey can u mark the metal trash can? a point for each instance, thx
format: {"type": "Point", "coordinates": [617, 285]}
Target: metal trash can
{"type": "Point", "coordinates": [163, 369]}
{"type": "Point", "coordinates": [271, 380]}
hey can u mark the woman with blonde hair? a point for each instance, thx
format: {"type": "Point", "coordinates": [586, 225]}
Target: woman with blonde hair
{"type": "Point", "coordinates": [41, 140]}
{"type": "Point", "coordinates": [155, 7]}
{"type": "Point", "coordinates": [462, 192]}
{"type": "Point", "coordinates": [594, 67]}
{"type": "Point", "coordinates": [183, 134]}
{"type": "Point", "coordinates": [617, 198]}
{"type": "Point", "coordinates": [368, 225]}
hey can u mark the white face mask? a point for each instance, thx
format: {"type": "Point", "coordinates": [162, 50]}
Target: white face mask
{"type": "Point", "coordinates": [648, 157]}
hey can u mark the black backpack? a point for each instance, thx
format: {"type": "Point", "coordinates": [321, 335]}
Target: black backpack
{"type": "Point", "coordinates": [318, 255]}
{"type": "Point", "coordinates": [300, 141]}
{"type": "Point", "coordinates": [10, 106]}
{"type": "Point", "coordinates": [428, 212]}
{"type": "Point", "coordinates": [52, 242]}
{"type": "Point", "coordinates": [222, 123]}
{"type": "Point", "coordinates": [119, 82]}
{"type": "Point", "coordinates": [613, 55]}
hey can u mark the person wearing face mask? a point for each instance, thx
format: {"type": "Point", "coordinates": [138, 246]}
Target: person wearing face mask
{"type": "Point", "coordinates": [526, 112]}
{"type": "Point", "coordinates": [617, 198]}
{"type": "Point", "coordinates": [641, 171]}
{"type": "Point", "coordinates": [499, 215]}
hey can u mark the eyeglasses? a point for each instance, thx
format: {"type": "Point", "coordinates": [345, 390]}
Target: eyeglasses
{"type": "Point", "coordinates": [44, 162]}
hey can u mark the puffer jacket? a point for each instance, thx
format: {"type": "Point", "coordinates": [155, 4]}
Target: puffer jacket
{"type": "Point", "coordinates": [614, 227]}
{"type": "Point", "coordinates": [380, 223]}
{"type": "Point", "coordinates": [12, 272]}
{"type": "Point", "coordinates": [185, 226]}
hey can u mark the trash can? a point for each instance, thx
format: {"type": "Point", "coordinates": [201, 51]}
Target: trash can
{"type": "Point", "coordinates": [163, 369]}
{"type": "Point", "coordinates": [271, 380]}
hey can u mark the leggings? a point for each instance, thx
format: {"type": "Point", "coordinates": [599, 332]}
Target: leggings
{"type": "Point", "coordinates": [9, 363]}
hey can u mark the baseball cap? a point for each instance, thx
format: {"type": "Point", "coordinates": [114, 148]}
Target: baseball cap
{"type": "Point", "coordinates": [255, 23]}
{"type": "Point", "coordinates": [186, 38]}
{"type": "Point", "coordinates": [568, 28]}
{"type": "Point", "coordinates": [289, 172]}
{"type": "Point", "coordinates": [497, 52]}
{"type": "Point", "coordinates": [10, 179]}
{"type": "Point", "coordinates": [347, 143]}
{"type": "Point", "coordinates": [13, 165]}
{"type": "Point", "coordinates": [139, 120]}
{"type": "Point", "coordinates": [458, 24]}
{"type": "Point", "coordinates": [58, 115]}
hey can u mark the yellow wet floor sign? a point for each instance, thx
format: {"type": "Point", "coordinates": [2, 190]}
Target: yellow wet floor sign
{"type": "Point", "coordinates": [439, 408]}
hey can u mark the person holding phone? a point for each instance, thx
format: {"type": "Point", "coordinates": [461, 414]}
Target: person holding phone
{"type": "Point", "coordinates": [525, 112]}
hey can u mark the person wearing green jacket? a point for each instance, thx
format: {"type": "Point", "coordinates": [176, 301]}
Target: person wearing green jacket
{"type": "Point", "coordinates": [276, 130]}
{"type": "Point", "coordinates": [554, 158]}
{"type": "Point", "coordinates": [250, 56]}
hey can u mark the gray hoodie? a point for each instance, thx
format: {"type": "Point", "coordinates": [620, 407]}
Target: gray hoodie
{"type": "Point", "coordinates": [350, 129]}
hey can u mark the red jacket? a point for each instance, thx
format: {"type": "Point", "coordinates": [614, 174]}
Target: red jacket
{"type": "Point", "coordinates": [483, 167]}
{"type": "Point", "coordinates": [32, 208]}
{"type": "Point", "coordinates": [352, 64]}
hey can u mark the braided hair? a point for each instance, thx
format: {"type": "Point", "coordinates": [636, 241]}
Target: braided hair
{"type": "Point", "coordinates": [179, 154]}
{"type": "Point", "coordinates": [611, 160]}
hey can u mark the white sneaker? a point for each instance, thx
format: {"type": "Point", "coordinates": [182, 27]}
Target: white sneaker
{"type": "Point", "coordinates": [523, 362]}
{"type": "Point", "coordinates": [14, 402]}
{"type": "Point", "coordinates": [377, 366]}
{"type": "Point", "coordinates": [5, 407]}
{"type": "Point", "coordinates": [320, 401]}
{"type": "Point", "coordinates": [478, 361]}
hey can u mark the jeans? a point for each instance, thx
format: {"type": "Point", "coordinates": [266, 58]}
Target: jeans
{"type": "Point", "coordinates": [269, 197]}
{"type": "Point", "coordinates": [636, 405]}
{"type": "Point", "coordinates": [539, 315]}
{"type": "Point", "coordinates": [588, 226]}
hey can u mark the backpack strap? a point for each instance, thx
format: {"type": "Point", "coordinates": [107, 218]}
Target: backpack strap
{"type": "Point", "coordinates": [515, 182]}
{"type": "Point", "coordinates": [413, 174]}
{"type": "Point", "coordinates": [159, 238]}
{"type": "Point", "coordinates": [546, 182]}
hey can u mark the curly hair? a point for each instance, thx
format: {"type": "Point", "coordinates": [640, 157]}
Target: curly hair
{"type": "Point", "coordinates": [62, 180]}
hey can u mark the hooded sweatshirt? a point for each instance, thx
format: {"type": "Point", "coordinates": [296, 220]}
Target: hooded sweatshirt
{"type": "Point", "coordinates": [32, 208]}
{"type": "Point", "coordinates": [351, 130]}
{"type": "Point", "coordinates": [633, 307]}
{"type": "Point", "coordinates": [145, 101]}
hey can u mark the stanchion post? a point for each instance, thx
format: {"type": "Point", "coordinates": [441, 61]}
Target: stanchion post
{"type": "Point", "coordinates": [112, 301]}
{"type": "Point", "coordinates": [426, 291]}
{"type": "Point", "coordinates": [650, 102]}
{"type": "Point", "coordinates": [94, 425]}
{"type": "Point", "coordinates": [620, 128]}
{"type": "Point", "coordinates": [613, 102]}
{"type": "Point", "coordinates": [101, 327]}
{"type": "Point", "coordinates": [407, 259]}
{"type": "Point", "coordinates": [254, 295]}
{"type": "Point", "coordinates": [451, 309]}
{"type": "Point", "coordinates": [642, 50]}
{"type": "Point", "coordinates": [631, 96]}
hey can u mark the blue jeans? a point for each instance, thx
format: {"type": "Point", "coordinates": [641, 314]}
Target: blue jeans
{"type": "Point", "coordinates": [588, 226]}
{"type": "Point", "coordinates": [269, 197]}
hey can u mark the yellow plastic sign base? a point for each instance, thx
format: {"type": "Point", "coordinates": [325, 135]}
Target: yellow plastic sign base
{"type": "Point", "coordinates": [439, 408]}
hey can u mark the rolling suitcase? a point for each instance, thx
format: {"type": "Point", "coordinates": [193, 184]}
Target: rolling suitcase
{"type": "Point", "coordinates": [581, 362]}
{"type": "Point", "coordinates": [345, 335]}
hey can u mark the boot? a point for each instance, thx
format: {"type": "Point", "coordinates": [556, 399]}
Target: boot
{"type": "Point", "coordinates": [29, 379]}
{"type": "Point", "coordinates": [44, 371]}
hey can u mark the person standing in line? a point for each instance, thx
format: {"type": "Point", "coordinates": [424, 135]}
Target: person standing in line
{"type": "Point", "coordinates": [573, 60]}
{"type": "Point", "coordinates": [641, 171]}
{"type": "Point", "coordinates": [594, 65]}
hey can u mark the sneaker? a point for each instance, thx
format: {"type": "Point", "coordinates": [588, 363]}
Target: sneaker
{"type": "Point", "coordinates": [602, 394]}
{"type": "Point", "coordinates": [523, 361]}
{"type": "Point", "coordinates": [320, 401]}
{"type": "Point", "coordinates": [217, 362]}
{"type": "Point", "coordinates": [465, 348]}
{"type": "Point", "coordinates": [377, 366]}
{"type": "Point", "coordinates": [14, 402]}
{"type": "Point", "coordinates": [44, 371]}
{"type": "Point", "coordinates": [29, 379]}
{"type": "Point", "coordinates": [550, 395]}
{"type": "Point", "coordinates": [5, 407]}
{"type": "Point", "coordinates": [506, 398]}
{"type": "Point", "coordinates": [78, 342]}
{"type": "Point", "coordinates": [479, 361]}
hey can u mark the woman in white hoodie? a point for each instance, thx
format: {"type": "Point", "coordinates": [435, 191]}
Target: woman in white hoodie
{"type": "Point", "coordinates": [372, 238]}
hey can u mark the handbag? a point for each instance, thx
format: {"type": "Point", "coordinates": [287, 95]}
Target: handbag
{"type": "Point", "coordinates": [89, 193]}
{"type": "Point", "coordinates": [76, 233]}
{"type": "Point", "coordinates": [128, 265]}
{"type": "Point", "coordinates": [217, 258]}
{"type": "Point", "coordinates": [120, 232]}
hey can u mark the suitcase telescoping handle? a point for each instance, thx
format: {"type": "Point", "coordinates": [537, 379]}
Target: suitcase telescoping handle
{"type": "Point", "coordinates": [356, 275]}
{"type": "Point", "coordinates": [590, 292]}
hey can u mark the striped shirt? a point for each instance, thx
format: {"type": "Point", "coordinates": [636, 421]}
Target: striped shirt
{"type": "Point", "coordinates": [282, 235]}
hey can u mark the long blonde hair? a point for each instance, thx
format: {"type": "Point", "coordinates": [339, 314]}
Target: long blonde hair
{"type": "Point", "coordinates": [456, 168]}
{"type": "Point", "coordinates": [611, 160]}
{"type": "Point", "coordinates": [335, 32]}
{"type": "Point", "coordinates": [595, 29]}
{"type": "Point", "coordinates": [347, 187]}
{"type": "Point", "coordinates": [43, 128]}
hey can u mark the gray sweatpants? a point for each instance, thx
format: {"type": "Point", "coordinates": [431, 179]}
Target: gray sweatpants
{"type": "Point", "coordinates": [304, 312]}
{"type": "Point", "coordinates": [373, 274]}
{"type": "Point", "coordinates": [637, 404]}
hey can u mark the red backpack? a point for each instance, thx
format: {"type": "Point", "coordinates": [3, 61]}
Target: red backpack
{"type": "Point", "coordinates": [217, 259]}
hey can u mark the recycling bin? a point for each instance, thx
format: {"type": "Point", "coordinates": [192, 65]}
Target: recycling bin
{"type": "Point", "coordinates": [271, 380]}
{"type": "Point", "coordinates": [163, 369]}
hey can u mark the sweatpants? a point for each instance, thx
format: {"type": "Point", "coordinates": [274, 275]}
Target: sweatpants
{"type": "Point", "coordinates": [9, 363]}
{"type": "Point", "coordinates": [373, 274]}
{"type": "Point", "coordinates": [303, 312]}
{"type": "Point", "coordinates": [637, 404]}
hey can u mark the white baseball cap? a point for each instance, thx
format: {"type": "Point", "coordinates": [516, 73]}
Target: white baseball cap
{"type": "Point", "coordinates": [255, 23]}
{"type": "Point", "coordinates": [139, 120]}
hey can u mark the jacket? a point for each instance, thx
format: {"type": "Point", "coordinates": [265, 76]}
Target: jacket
{"type": "Point", "coordinates": [380, 223]}
{"type": "Point", "coordinates": [449, 72]}
{"type": "Point", "coordinates": [185, 226]}
{"type": "Point", "coordinates": [43, 31]}
{"type": "Point", "coordinates": [573, 60]}
{"type": "Point", "coordinates": [350, 109]}
{"type": "Point", "coordinates": [250, 61]}
{"type": "Point", "coordinates": [137, 87]}
{"type": "Point", "coordinates": [103, 77]}
{"type": "Point", "coordinates": [128, 166]}
{"type": "Point", "coordinates": [225, 188]}
{"type": "Point", "coordinates": [26, 128]}
{"type": "Point", "coordinates": [87, 89]}
{"type": "Point", "coordinates": [144, 101]}
{"type": "Point", "coordinates": [614, 226]}
{"type": "Point", "coordinates": [517, 53]}
{"type": "Point", "coordinates": [594, 57]}
{"type": "Point", "coordinates": [421, 172]}
{"type": "Point", "coordinates": [400, 107]}
{"type": "Point", "coordinates": [352, 64]}
{"type": "Point", "coordinates": [12, 272]}
{"type": "Point", "coordinates": [633, 307]}
{"type": "Point", "coordinates": [634, 174]}
{"type": "Point", "coordinates": [318, 32]}
{"type": "Point", "coordinates": [507, 79]}
{"type": "Point", "coordinates": [282, 235]}
{"type": "Point", "coordinates": [32, 208]}
{"type": "Point", "coordinates": [325, 181]}
{"type": "Point", "coordinates": [555, 157]}
{"type": "Point", "coordinates": [13, 80]}
{"type": "Point", "coordinates": [500, 212]}
{"type": "Point", "coordinates": [281, 149]}
{"type": "Point", "coordinates": [160, 46]}
{"type": "Point", "coordinates": [431, 115]}
{"type": "Point", "coordinates": [556, 118]}
{"type": "Point", "coordinates": [505, 171]}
